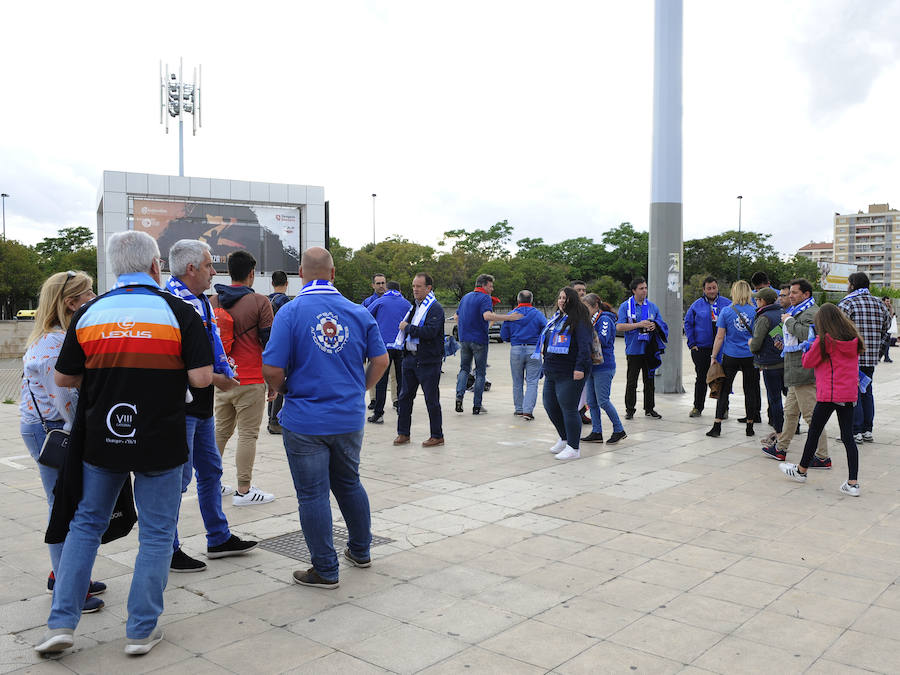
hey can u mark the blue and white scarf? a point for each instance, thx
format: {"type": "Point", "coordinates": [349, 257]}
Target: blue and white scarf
{"type": "Point", "coordinates": [220, 359]}
{"type": "Point", "coordinates": [794, 310]}
{"type": "Point", "coordinates": [392, 293]}
{"type": "Point", "coordinates": [644, 314]}
{"type": "Point", "coordinates": [417, 319]}
{"type": "Point", "coordinates": [319, 287]}
{"type": "Point", "coordinates": [858, 291]}
{"type": "Point", "coordinates": [551, 326]}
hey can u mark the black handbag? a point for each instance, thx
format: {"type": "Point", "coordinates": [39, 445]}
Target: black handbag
{"type": "Point", "coordinates": [56, 441]}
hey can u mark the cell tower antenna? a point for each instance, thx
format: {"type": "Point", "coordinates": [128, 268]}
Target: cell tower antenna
{"type": "Point", "coordinates": [177, 98]}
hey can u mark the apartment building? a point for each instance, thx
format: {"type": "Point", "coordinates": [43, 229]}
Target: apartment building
{"type": "Point", "coordinates": [871, 240]}
{"type": "Point", "coordinates": [818, 250]}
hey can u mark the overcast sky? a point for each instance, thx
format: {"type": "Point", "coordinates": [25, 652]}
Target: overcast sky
{"type": "Point", "coordinates": [461, 114]}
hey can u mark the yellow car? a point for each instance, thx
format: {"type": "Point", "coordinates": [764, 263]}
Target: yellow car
{"type": "Point", "coordinates": [26, 314]}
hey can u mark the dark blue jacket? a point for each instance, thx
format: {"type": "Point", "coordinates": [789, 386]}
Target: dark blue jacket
{"type": "Point", "coordinates": [430, 349]}
{"type": "Point", "coordinates": [767, 318]}
{"type": "Point", "coordinates": [699, 328]}
{"type": "Point", "coordinates": [389, 310]}
{"type": "Point", "coordinates": [578, 357]}
{"type": "Point", "coordinates": [525, 331]}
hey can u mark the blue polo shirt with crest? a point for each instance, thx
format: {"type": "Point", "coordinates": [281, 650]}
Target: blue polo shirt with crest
{"type": "Point", "coordinates": [322, 341]}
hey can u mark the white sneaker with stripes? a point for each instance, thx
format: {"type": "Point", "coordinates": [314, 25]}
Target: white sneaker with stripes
{"type": "Point", "coordinates": [254, 496]}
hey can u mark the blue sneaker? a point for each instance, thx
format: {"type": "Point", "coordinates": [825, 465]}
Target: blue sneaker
{"type": "Point", "coordinates": [96, 587]}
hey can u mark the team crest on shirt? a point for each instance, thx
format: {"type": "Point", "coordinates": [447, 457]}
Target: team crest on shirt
{"type": "Point", "coordinates": [329, 334]}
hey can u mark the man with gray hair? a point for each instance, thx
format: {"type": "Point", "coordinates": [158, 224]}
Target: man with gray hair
{"type": "Point", "coordinates": [133, 352]}
{"type": "Point", "coordinates": [192, 272]}
{"type": "Point", "coordinates": [474, 315]}
{"type": "Point", "coordinates": [523, 337]}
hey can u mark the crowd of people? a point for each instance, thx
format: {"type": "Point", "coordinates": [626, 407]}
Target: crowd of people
{"type": "Point", "coordinates": [151, 380]}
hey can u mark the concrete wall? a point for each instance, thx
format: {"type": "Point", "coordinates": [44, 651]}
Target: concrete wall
{"type": "Point", "coordinates": [13, 335]}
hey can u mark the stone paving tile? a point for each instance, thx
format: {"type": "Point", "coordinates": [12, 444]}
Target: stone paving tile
{"type": "Point", "coordinates": [612, 659]}
{"type": "Point", "coordinates": [405, 649]}
{"type": "Point", "coordinates": [666, 638]}
{"type": "Point", "coordinates": [539, 643]}
{"type": "Point", "coordinates": [734, 655]}
{"type": "Point", "coordinates": [655, 554]}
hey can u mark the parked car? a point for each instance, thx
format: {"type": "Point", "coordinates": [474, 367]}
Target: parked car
{"type": "Point", "coordinates": [26, 314]}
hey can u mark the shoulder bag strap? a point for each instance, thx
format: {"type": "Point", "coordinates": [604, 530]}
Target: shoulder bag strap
{"type": "Point", "coordinates": [37, 408]}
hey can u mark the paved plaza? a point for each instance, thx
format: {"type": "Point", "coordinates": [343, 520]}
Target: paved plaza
{"type": "Point", "coordinates": [670, 552]}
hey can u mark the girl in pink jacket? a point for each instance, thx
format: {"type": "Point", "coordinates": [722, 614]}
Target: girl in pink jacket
{"type": "Point", "coordinates": [834, 355]}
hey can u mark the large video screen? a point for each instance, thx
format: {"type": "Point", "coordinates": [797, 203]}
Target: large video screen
{"type": "Point", "coordinates": [270, 233]}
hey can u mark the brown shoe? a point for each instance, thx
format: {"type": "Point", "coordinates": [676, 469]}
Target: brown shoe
{"type": "Point", "coordinates": [432, 442]}
{"type": "Point", "coordinates": [401, 440]}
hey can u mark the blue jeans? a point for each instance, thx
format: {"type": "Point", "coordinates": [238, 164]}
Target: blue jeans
{"type": "Point", "coordinates": [561, 396]}
{"type": "Point", "coordinates": [774, 379]}
{"type": "Point", "coordinates": [205, 460]}
{"type": "Point", "coordinates": [319, 464]}
{"type": "Point", "coordinates": [525, 371]}
{"type": "Point", "coordinates": [864, 412]}
{"type": "Point", "coordinates": [468, 351]}
{"type": "Point", "coordinates": [156, 495]}
{"type": "Point", "coordinates": [598, 389]}
{"type": "Point", "coordinates": [33, 435]}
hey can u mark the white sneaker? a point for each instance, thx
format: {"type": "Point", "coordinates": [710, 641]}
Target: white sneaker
{"type": "Point", "coordinates": [868, 437]}
{"type": "Point", "coordinates": [138, 647]}
{"type": "Point", "coordinates": [858, 438]}
{"type": "Point", "coordinates": [569, 453]}
{"type": "Point", "coordinates": [852, 490]}
{"type": "Point", "coordinates": [558, 446]}
{"type": "Point", "coordinates": [254, 496]}
{"type": "Point", "coordinates": [227, 490]}
{"type": "Point", "coordinates": [792, 472]}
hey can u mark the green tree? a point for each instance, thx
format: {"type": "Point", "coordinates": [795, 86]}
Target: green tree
{"type": "Point", "coordinates": [20, 277]}
{"type": "Point", "coordinates": [543, 279]}
{"type": "Point", "coordinates": [610, 290]}
{"type": "Point", "coordinates": [53, 251]}
{"type": "Point", "coordinates": [628, 250]}
{"type": "Point", "coordinates": [488, 244]}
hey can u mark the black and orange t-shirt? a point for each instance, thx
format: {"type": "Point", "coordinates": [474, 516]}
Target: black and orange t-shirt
{"type": "Point", "coordinates": [134, 346]}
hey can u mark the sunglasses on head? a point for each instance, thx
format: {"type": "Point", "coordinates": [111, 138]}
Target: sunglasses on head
{"type": "Point", "coordinates": [69, 275]}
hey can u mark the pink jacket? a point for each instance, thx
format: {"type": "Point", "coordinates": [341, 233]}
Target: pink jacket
{"type": "Point", "coordinates": [837, 377]}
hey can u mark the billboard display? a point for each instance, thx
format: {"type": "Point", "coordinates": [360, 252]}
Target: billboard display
{"type": "Point", "coordinates": [270, 233]}
{"type": "Point", "coordinates": [834, 276]}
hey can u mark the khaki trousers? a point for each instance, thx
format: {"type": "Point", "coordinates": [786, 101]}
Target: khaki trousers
{"type": "Point", "coordinates": [392, 383]}
{"type": "Point", "coordinates": [244, 406]}
{"type": "Point", "coordinates": [801, 399]}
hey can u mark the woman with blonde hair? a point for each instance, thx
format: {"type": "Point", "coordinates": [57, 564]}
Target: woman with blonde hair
{"type": "Point", "coordinates": [734, 328]}
{"type": "Point", "coordinates": [43, 405]}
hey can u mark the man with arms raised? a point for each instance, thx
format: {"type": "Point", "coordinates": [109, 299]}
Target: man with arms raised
{"type": "Point", "coordinates": [315, 356]}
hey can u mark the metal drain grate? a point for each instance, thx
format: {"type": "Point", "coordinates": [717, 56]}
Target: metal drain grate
{"type": "Point", "coordinates": [293, 544]}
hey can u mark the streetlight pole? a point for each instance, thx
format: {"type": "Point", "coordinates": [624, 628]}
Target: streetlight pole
{"type": "Point", "coordinates": [740, 236]}
{"type": "Point", "coordinates": [4, 196]}
{"type": "Point", "coordinates": [373, 219]}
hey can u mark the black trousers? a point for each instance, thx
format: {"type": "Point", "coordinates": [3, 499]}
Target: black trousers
{"type": "Point", "coordinates": [820, 416]}
{"type": "Point", "coordinates": [750, 378]}
{"type": "Point", "coordinates": [700, 356]}
{"type": "Point", "coordinates": [396, 356]}
{"type": "Point", "coordinates": [429, 377]}
{"type": "Point", "coordinates": [639, 364]}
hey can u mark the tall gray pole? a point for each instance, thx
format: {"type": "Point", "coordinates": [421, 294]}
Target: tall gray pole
{"type": "Point", "coordinates": [666, 243]}
{"type": "Point", "coordinates": [4, 196]}
{"type": "Point", "coordinates": [740, 237]}
{"type": "Point", "coordinates": [181, 147]}
{"type": "Point", "coordinates": [373, 219]}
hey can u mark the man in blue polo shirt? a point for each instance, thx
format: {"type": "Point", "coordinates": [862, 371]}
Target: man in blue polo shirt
{"type": "Point", "coordinates": [700, 330]}
{"type": "Point", "coordinates": [379, 286]}
{"type": "Point", "coordinates": [474, 314]}
{"type": "Point", "coordinates": [389, 310]}
{"type": "Point", "coordinates": [638, 318]}
{"type": "Point", "coordinates": [523, 336]}
{"type": "Point", "coordinates": [315, 356]}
